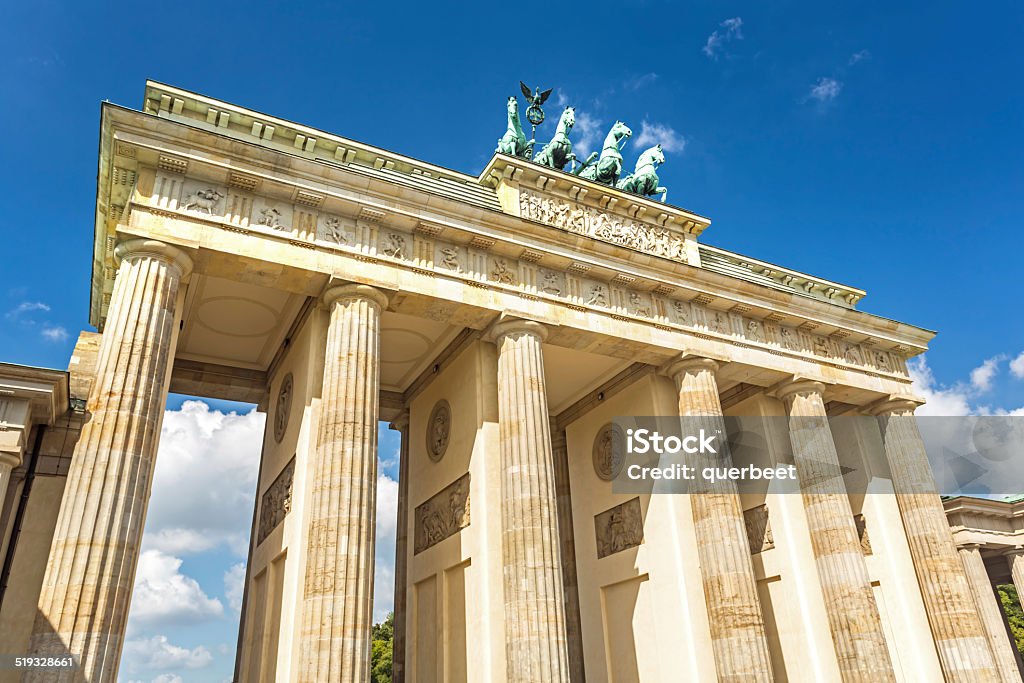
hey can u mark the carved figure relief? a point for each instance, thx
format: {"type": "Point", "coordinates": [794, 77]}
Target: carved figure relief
{"type": "Point", "coordinates": [276, 501]}
{"type": "Point", "coordinates": [681, 311]}
{"type": "Point", "coordinates": [598, 296]}
{"type": "Point", "coordinates": [789, 340]}
{"type": "Point", "coordinates": [450, 258]}
{"type": "Point", "coordinates": [851, 355]}
{"type": "Point", "coordinates": [718, 323]}
{"type": "Point", "coordinates": [333, 230]}
{"type": "Point", "coordinates": [283, 407]}
{"type": "Point", "coordinates": [821, 347]}
{"type": "Point", "coordinates": [271, 218]}
{"type": "Point", "coordinates": [759, 529]}
{"type": "Point", "coordinates": [754, 331]}
{"type": "Point", "coordinates": [438, 430]}
{"type": "Point", "coordinates": [443, 515]}
{"type": "Point", "coordinates": [619, 528]}
{"type": "Point", "coordinates": [204, 200]}
{"type": "Point", "coordinates": [394, 246]}
{"type": "Point", "coordinates": [639, 308]}
{"type": "Point", "coordinates": [502, 273]}
{"type": "Point", "coordinates": [590, 221]}
{"type": "Point", "coordinates": [550, 283]}
{"type": "Point", "coordinates": [608, 452]}
{"type": "Point", "coordinates": [881, 361]}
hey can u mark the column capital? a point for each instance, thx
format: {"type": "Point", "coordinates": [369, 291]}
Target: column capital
{"type": "Point", "coordinates": [161, 251]}
{"type": "Point", "coordinates": [688, 362]}
{"type": "Point", "coordinates": [354, 291]}
{"type": "Point", "coordinates": [895, 404]}
{"type": "Point", "coordinates": [788, 388]}
{"type": "Point", "coordinates": [1013, 552]}
{"type": "Point", "coordinates": [10, 458]}
{"type": "Point", "coordinates": [506, 326]}
{"type": "Point", "coordinates": [969, 546]}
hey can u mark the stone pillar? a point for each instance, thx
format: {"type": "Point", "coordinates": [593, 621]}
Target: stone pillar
{"type": "Point", "coordinates": [991, 613]}
{"type": "Point", "coordinates": [960, 638]}
{"type": "Point", "coordinates": [535, 637]}
{"type": "Point", "coordinates": [567, 535]}
{"type": "Point", "coordinates": [14, 427]}
{"type": "Point", "coordinates": [849, 598]}
{"type": "Point", "coordinates": [401, 424]}
{"type": "Point", "coordinates": [1015, 558]}
{"type": "Point", "coordinates": [334, 641]}
{"type": "Point", "coordinates": [86, 591]}
{"type": "Point", "coordinates": [734, 612]}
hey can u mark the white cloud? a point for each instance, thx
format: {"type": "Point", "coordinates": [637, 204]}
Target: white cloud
{"type": "Point", "coordinates": [384, 562]}
{"type": "Point", "coordinates": [158, 652]}
{"type": "Point", "coordinates": [26, 307]}
{"type": "Point", "coordinates": [199, 446]}
{"type": "Point", "coordinates": [655, 133]}
{"type": "Point", "coordinates": [825, 90]}
{"type": "Point", "coordinates": [638, 82]}
{"type": "Point", "coordinates": [234, 585]}
{"type": "Point", "coordinates": [728, 31]}
{"type": "Point", "coordinates": [588, 132]}
{"type": "Point", "coordinates": [982, 376]}
{"type": "Point", "coordinates": [859, 56]}
{"type": "Point", "coordinates": [164, 596]}
{"type": "Point", "coordinates": [54, 333]}
{"type": "Point", "coordinates": [1017, 366]}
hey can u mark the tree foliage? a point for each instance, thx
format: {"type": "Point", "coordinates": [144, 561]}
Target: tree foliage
{"type": "Point", "coordinates": [1014, 613]}
{"type": "Point", "coordinates": [382, 646]}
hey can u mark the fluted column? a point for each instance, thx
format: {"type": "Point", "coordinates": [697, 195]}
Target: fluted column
{"type": "Point", "coordinates": [991, 613]}
{"type": "Point", "coordinates": [960, 637]}
{"type": "Point", "coordinates": [338, 589]}
{"type": "Point", "coordinates": [567, 536]}
{"type": "Point", "coordinates": [1015, 559]}
{"type": "Point", "coordinates": [535, 639]}
{"type": "Point", "coordinates": [849, 598]}
{"type": "Point", "coordinates": [401, 424]}
{"type": "Point", "coordinates": [730, 590]}
{"type": "Point", "coordinates": [86, 591]}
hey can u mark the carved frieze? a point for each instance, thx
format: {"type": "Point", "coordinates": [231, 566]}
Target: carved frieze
{"type": "Point", "coordinates": [589, 221]}
{"type": "Point", "coordinates": [443, 515]}
{"type": "Point", "coordinates": [619, 528]}
{"type": "Point", "coordinates": [759, 529]}
{"type": "Point", "coordinates": [276, 501]}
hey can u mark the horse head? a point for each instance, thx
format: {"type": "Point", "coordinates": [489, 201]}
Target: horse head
{"type": "Point", "coordinates": [568, 119]}
{"type": "Point", "coordinates": [513, 106]}
{"type": "Point", "coordinates": [651, 157]}
{"type": "Point", "coordinates": [619, 133]}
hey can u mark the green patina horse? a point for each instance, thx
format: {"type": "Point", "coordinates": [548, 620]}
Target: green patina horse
{"type": "Point", "coordinates": [514, 142]}
{"type": "Point", "coordinates": [609, 165]}
{"type": "Point", "coordinates": [644, 179]}
{"type": "Point", "coordinates": [558, 152]}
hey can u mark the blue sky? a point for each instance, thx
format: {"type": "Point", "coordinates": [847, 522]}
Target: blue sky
{"type": "Point", "coordinates": [874, 145]}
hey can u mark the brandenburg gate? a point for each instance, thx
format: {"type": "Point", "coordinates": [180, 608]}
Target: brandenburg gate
{"type": "Point", "coordinates": [499, 322]}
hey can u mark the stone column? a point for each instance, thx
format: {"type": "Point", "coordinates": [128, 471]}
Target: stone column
{"type": "Point", "coordinates": [535, 638]}
{"type": "Point", "coordinates": [567, 536]}
{"type": "Point", "coordinates": [334, 641]}
{"type": "Point", "coordinates": [14, 423]}
{"type": "Point", "coordinates": [86, 591]}
{"type": "Point", "coordinates": [730, 590]}
{"type": "Point", "coordinates": [849, 598]}
{"type": "Point", "coordinates": [960, 638]}
{"type": "Point", "coordinates": [1015, 558]}
{"type": "Point", "coordinates": [401, 424]}
{"type": "Point", "coordinates": [991, 613]}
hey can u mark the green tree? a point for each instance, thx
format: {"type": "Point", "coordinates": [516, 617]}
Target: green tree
{"type": "Point", "coordinates": [383, 638]}
{"type": "Point", "coordinates": [1014, 613]}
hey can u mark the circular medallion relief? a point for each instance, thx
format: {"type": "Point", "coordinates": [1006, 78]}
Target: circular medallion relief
{"type": "Point", "coordinates": [609, 447]}
{"type": "Point", "coordinates": [438, 429]}
{"type": "Point", "coordinates": [283, 408]}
